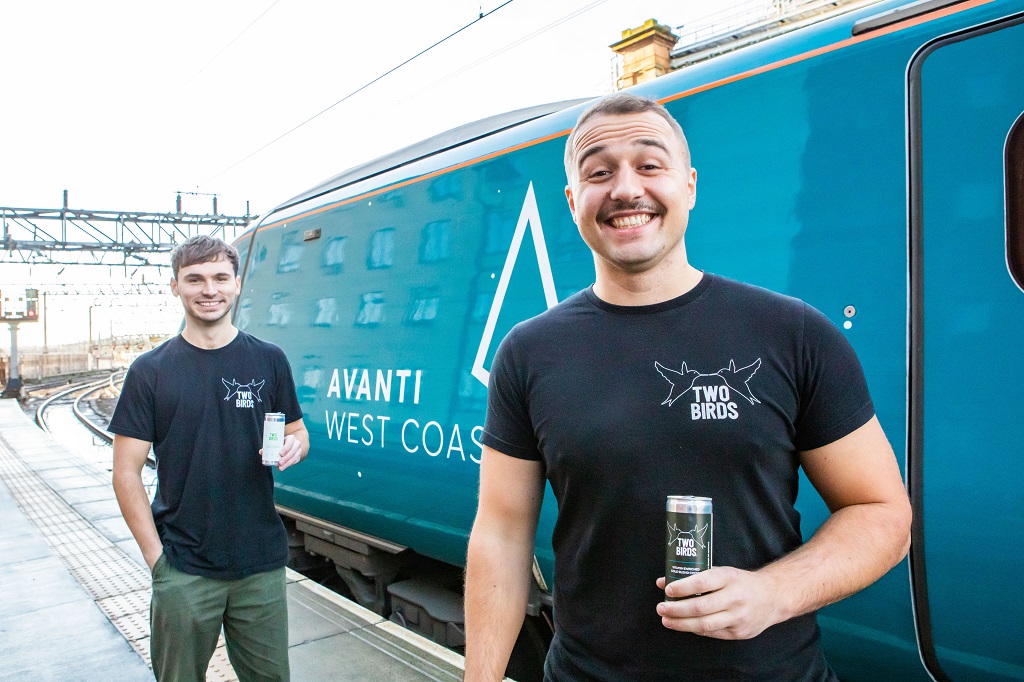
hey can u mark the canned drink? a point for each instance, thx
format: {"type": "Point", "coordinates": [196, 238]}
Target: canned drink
{"type": "Point", "coordinates": [273, 437]}
{"type": "Point", "coordinates": [689, 535]}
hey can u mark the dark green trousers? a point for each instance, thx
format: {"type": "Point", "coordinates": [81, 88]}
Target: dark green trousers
{"type": "Point", "coordinates": [188, 612]}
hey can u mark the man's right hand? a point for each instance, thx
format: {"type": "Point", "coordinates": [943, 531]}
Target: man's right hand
{"type": "Point", "coordinates": [129, 458]}
{"type": "Point", "coordinates": [152, 557]}
{"type": "Point", "coordinates": [727, 603]}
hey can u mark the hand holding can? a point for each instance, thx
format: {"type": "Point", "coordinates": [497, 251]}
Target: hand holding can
{"type": "Point", "coordinates": [689, 534]}
{"type": "Point", "coordinates": [273, 437]}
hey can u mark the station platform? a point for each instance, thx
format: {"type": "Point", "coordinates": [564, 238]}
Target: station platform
{"type": "Point", "coordinates": [76, 590]}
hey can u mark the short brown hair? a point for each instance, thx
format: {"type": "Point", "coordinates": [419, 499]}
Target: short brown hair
{"type": "Point", "coordinates": [202, 249]}
{"type": "Point", "coordinates": [620, 104]}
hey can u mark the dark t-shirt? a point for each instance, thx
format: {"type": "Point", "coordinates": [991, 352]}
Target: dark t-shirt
{"type": "Point", "coordinates": [203, 411]}
{"type": "Point", "coordinates": [712, 394]}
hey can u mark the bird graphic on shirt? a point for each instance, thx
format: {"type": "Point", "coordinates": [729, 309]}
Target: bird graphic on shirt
{"type": "Point", "coordinates": [681, 381]}
{"type": "Point", "coordinates": [736, 379]}
{"type": "Point", "coordinates": [685, 379]}
{"type": "Point", "coordinates": [234, 387]}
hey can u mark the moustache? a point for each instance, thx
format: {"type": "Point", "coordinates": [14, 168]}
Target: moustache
{"type": "Point", "coordinates": [626, 206]}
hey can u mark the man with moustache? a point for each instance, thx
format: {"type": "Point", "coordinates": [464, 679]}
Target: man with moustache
{"type": "Point", "coordinates": [212, 537]}
{"type": "Point", "coordinates": [577, 395]}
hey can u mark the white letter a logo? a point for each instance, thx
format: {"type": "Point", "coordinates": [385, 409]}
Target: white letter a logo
{"type": "Point", "coordinates": [530, 215]}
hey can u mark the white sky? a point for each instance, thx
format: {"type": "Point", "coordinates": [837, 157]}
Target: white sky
{"type": "Point", "coordinates": [123, 103]}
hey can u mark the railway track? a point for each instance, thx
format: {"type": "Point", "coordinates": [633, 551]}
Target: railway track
{"type": "Point", "coordinates": [77, 396]}
{"type": "Point", "coordinates": [81, 391]}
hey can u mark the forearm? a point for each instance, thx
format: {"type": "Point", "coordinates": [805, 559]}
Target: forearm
{"type": "Point", "coordinates": [497, 586]}
{"type": "Point", "coordinates": [853, 548]}
{"type": "Point", "coordinates": [867, 534]}
{"type": "Point", "coordinates": [296, 445]}
{"type": "Point", "coordinates": [499, 561]}
{"type": "Point", "coordinates": [134, 503]}
{"type": "Point", "coordinates": [869, 529]}
{"type": "Point", "coordinates": [302, 436]}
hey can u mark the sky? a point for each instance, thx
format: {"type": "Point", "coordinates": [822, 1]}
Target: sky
{"type": "Point", "coordinates": [126, 103]}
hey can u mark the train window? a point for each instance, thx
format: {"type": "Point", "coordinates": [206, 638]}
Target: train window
{"type": "Point", "coordinates": [1015, 202]}
{"type": "Point", "coordinates": [278, 314]}
{"type": "Point", "coordinates": [243, 253]}
{"type": "Point", "coordinates": [423, 308]}
{"type": "Point", "coordinates": [482, 305]}
{"type": "Point", "coordinates": [326, 312]}
{"type": "Point", "coordinates": [567, 244]}
{"type": "Point", "coordinates": [394, 198]}
{"type": "Point", "coordinates": [244, 314]}
{"type": "Point", "coordinates": [497, 173]}
{"type": "Point", "coordinates": [259, 256]}
{"type": "Point", "coordinates": [382, 249]}
{"type": "Point", "coordinates": [472, 393]}
{"type": "Point", "coordinates": [446, 186]}
{"type": "Point", "coordinates": [332, 259]}
{"type": "Point", "coordinates": [499, 226]}
{"type": "Point", "coordinates": [291, 252]}
{"type": "Point", "coordinates": [434, 241]}
{"type": "Point", "coordinates": [371, 309]}
{"type": "Point", "coordinates": [312, 376]}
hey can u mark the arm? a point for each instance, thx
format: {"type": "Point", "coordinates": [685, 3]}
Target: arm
{"type": "Point", "coordinates": [295, 446]}
{"type": "Point", "coordinates": [498, 566]}
{"type": "Point", "coordinates": [129, 458]}
{"type": "Point", "coordinates": [867, 533]}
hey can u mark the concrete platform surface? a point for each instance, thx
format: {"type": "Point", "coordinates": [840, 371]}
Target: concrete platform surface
{"type": "Point", "coordinates": [76, 590]}
{"type": "Point", "coordinates": [50, 627]}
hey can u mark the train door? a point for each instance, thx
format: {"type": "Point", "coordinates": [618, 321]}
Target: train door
{"type": "Point", "coordinates": [966, 141]}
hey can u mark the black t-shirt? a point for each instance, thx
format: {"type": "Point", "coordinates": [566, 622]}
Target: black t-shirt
{"type": "Point", "coordinates": [712, 394]}
{"type": "Point", "coordinates": [203, 411]}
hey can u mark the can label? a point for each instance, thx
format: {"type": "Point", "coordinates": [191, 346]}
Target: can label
{"type": "Point", "coordinates": [688, 544]}
{"type": "Point", "coordinates": [273, 438]}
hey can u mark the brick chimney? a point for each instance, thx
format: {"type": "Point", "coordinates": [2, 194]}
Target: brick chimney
{"type": "Point", "coordinates": [645, 52]}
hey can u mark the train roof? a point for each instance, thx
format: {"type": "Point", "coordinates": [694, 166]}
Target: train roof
{"type": "Point", "coordinates": [842, 30]}
{"type": "Point", "coordinates": [432, 145]}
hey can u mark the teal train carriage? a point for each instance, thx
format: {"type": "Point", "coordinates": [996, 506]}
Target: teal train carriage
{"type": "Point", "coordinates": [872, 165]}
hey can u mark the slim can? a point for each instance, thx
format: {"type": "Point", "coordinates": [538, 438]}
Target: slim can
{"type": "Point", "coordinates": [689, 534]}
{"type": "Point", "coordinates": [273, 437]}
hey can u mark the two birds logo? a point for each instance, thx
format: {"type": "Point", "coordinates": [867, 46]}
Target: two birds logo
{"type": "Point", "coordinates": [685, 379]}
{"type": "Point", "coordinates": [235, 388]}
{"type": "Point", "coordinates": [696, 534]}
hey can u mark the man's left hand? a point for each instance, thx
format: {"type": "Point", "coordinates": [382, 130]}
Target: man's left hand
{"type": "Point", "coordinates": [733, 603]}
{"type": "Point", "coordinates": [291, 452]}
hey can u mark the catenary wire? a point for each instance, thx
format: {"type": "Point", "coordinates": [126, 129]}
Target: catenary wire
{"type": "Point", "coordinates": [223, 49]}
{"type": "Point", "coordinates": [506, 48]}
{"type": "Point", "coordinates": [356, 91]}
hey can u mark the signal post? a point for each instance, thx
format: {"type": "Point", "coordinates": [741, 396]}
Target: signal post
{"type": "Point", "coordinates": [17, 307]}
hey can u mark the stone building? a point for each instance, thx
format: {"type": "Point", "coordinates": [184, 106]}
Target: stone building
{"type": "Point", "coordinates": [653, 49]}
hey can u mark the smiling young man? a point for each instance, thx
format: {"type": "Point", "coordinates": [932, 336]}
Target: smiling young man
{"type": "Point", "coordinates": [212, 537]}
{"type": "Point", "coordinates": [578, 396]}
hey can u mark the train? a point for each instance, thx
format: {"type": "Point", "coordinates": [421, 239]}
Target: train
{"type": "Point", "coordinates": [871, 164]}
